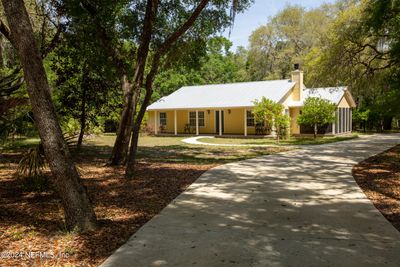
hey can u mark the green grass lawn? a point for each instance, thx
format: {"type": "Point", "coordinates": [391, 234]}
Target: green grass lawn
{"type": "Point", "coordinates": [269, 141]}
{"type": "Point", "coordinates": [21, 143]}
{"type": "Point", "coordinates": [172, 149]}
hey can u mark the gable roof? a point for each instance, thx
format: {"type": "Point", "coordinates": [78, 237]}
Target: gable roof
{"type": "Point", "coordinates": [333, 94]}
{"type": "Point", "coordinates": [223, 95]}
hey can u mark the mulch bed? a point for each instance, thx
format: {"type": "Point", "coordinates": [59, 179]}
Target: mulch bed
{"type": "Point", "coordinates": [33, 222]}
{"type": "Point", "coordinates": [379, 178]}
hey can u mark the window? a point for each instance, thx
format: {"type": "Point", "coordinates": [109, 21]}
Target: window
{"type": "Point", "coordinates": [163, 119]}
{"type": "Point", "coordinates": [192, 118]}
{"type": "Point", "coordinates": [250, 118]}
{"type": "Point", "coordinates": [201, 119]}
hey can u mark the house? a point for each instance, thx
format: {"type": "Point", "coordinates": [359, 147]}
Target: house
{"type": "Point", "coordinates": [226, 109]}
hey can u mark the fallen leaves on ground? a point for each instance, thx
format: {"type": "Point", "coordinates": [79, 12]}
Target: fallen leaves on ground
{"type": "Point", "coordinates": [33, 222]}
{"type": "Point", "coordinates": [379, 178]}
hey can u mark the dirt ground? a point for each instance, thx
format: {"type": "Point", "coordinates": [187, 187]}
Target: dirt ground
{"type": "Point", "coordinates": [32, 231]}
{"type": "Point", "coordinates": [32, 222]}
{"type": "Point", "coordinates": [379, 178]}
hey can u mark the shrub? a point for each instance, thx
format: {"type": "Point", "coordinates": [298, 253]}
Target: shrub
{"type": "Point", "coordinates": [30, 169]}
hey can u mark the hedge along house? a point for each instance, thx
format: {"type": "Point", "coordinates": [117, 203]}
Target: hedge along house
{"type": "Point", "coordinates": [226, 109]}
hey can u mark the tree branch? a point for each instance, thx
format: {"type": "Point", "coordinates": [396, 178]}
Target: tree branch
{"type": "Point", "coordinates": [54, 41]}
{"type": "Point", "coordinates": [182, 29]}
{"type": "Point", "coordinates": [105, 39]}
{"type": "Point", "coordinates": [5, 31]}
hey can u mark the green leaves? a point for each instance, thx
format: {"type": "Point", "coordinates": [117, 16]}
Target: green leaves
{"type": "Point", "coordinates": [317, 111]}
{"type": "Point", "coordinates": [271, 113]}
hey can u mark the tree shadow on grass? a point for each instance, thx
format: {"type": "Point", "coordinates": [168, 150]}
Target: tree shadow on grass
{"type": "Point", "coordinates": [297, 208]}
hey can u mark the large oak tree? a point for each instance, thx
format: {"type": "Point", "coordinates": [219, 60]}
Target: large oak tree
{"type": "Point", "coordinates": [159, 29]}
{"type": "Point", "coordinates": [77, 207]}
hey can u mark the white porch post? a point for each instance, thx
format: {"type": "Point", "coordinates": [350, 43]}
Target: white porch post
{"type": "Point", "coordinates": [197, 122]}
{"type": "Point", "coordinates": [342, 117]}
{"type": "Point", "coordinates": [156, 122]}
{"type": "Point", "coordinates": [245, 122]}
{"type": "Point", "coordinates": [175, 124]}
{"type": "Point", "coordinates": [334, 124]}
{"type": "Point", "coordinates": [351, 119]}
{"type": "Point", "coordinates": [273, 128]}
{"type": "Point", "coordinates": [220, 122]}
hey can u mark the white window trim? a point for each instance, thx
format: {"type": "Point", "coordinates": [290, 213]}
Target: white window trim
{"type": "Point", "coordinates": [159, 119]}
{"type": "Point", "coordinates": [199, 118]}
{"type": "Point", "coordinates": [253, 119]}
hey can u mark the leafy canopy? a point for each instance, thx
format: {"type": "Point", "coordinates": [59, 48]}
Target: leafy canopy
{"type": "Point", "coordinates": [317, 111]}
{"type": "Point", "coordinates": [271, 112]}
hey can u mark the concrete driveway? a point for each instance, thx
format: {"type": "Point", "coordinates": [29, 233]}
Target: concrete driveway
{"type": "Point", "coordinates": [298, 208]}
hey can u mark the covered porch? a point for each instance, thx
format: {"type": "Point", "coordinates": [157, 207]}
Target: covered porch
{"type": "Point", "coordinates": [237, 122]}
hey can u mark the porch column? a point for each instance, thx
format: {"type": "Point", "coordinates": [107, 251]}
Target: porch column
{"type": "Point", "coordinates": [155, 122]}
{"type": "Point", "coordinates": [342, 117]}
{"type": "Point", "coordinates": [175, 124]}
{"type": "Point", "coordinates": [197, 122]}
{"type": "Point", "coordinates": [334, 124]}
{"type": "Point", "coordinates": [220, 122]}
{"type": "Point", "coordinates": [245, 122]}
{"type": "Point", "coordinates": [273, 128]}
{"type": "Point", "coordinates": [351, 119]}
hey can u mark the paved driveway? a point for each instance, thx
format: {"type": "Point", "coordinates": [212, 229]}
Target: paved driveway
{"type": "Point", "coordinates": [298, 208]}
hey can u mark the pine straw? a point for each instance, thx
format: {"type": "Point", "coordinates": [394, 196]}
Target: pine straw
{"type": "Point", "coordinates": [32, 222]}
{"type": "Point", "coordinates": [379, 178]}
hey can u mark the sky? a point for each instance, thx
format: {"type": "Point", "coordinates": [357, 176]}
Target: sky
{"type": "Point", "coordinates": [258, 14]}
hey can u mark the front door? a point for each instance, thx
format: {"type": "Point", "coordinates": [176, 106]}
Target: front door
{"type": "Point", "coordinates": [217, 121]}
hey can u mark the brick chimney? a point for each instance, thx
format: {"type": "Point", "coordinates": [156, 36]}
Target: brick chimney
{"type": "Point", "coordinates": [297, 77]}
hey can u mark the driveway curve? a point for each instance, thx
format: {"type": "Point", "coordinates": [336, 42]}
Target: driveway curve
{"type": "Point", "coordinates": [297, 208]}
{"type": "Point", "coordinates": [195, 141]}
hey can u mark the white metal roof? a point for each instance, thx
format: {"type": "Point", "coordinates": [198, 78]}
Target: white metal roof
{"type": "Point", "coordinates": [223, 95]}
{"type": "Point", "coordinates": [333, 94]}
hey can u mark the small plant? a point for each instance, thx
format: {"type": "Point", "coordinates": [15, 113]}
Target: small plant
{"type": "Point", "coordinates": [316, 112]}
{"type": "Point", "coordinates": [70, 251]}
{"type": "Point", "coordinates": [271, 113]}
{"type": "Point", "coordinates": [32, 162]}
{"type": "Point", "coordinates": [17, 234]}
{"type": "Point", "coordinates": [147, 129]}
{"type": "Point", "coordinates": [30, 168]}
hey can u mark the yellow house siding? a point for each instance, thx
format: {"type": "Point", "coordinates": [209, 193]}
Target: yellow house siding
{"type": "Point", "coordinates": [294, 126]}
{"type": "Point", "coordinates": [297, 76]}
{"type": "Point", "coordinates": [287, 98]}
{"type": "Point", "coordinates": [234, 121]}
{"type": "Point", "coordinates": [209, 122]}
{"type": "Point", "coordinates": [182, 120]}
{"type": "Point", "coordinates": [344, 103]}
{"type": "Point", "coordinates": [170, 121]}
{"type": "Point", "coordinates": [150, 121]}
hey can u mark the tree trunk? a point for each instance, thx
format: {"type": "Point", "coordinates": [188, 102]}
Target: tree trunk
{"type": "Point", "coordinates": [131, 160]}
{"type": "Point", "coordinates": [83, 117]}
{"type": "Point", "coordinates": [387, 123]}
{"type": "Point", "coordinates": [1, 52]}
{"type": "Point", "coordinates": [77, 207]}
{"type": "Point", "coordinates": [315, 130]}
{"type": "Point", "coordinates": [163, 48]}
{"type": "Point", "coordinates": [130, 166]}
{"type": "Point", "coordinates": [121, 145]}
